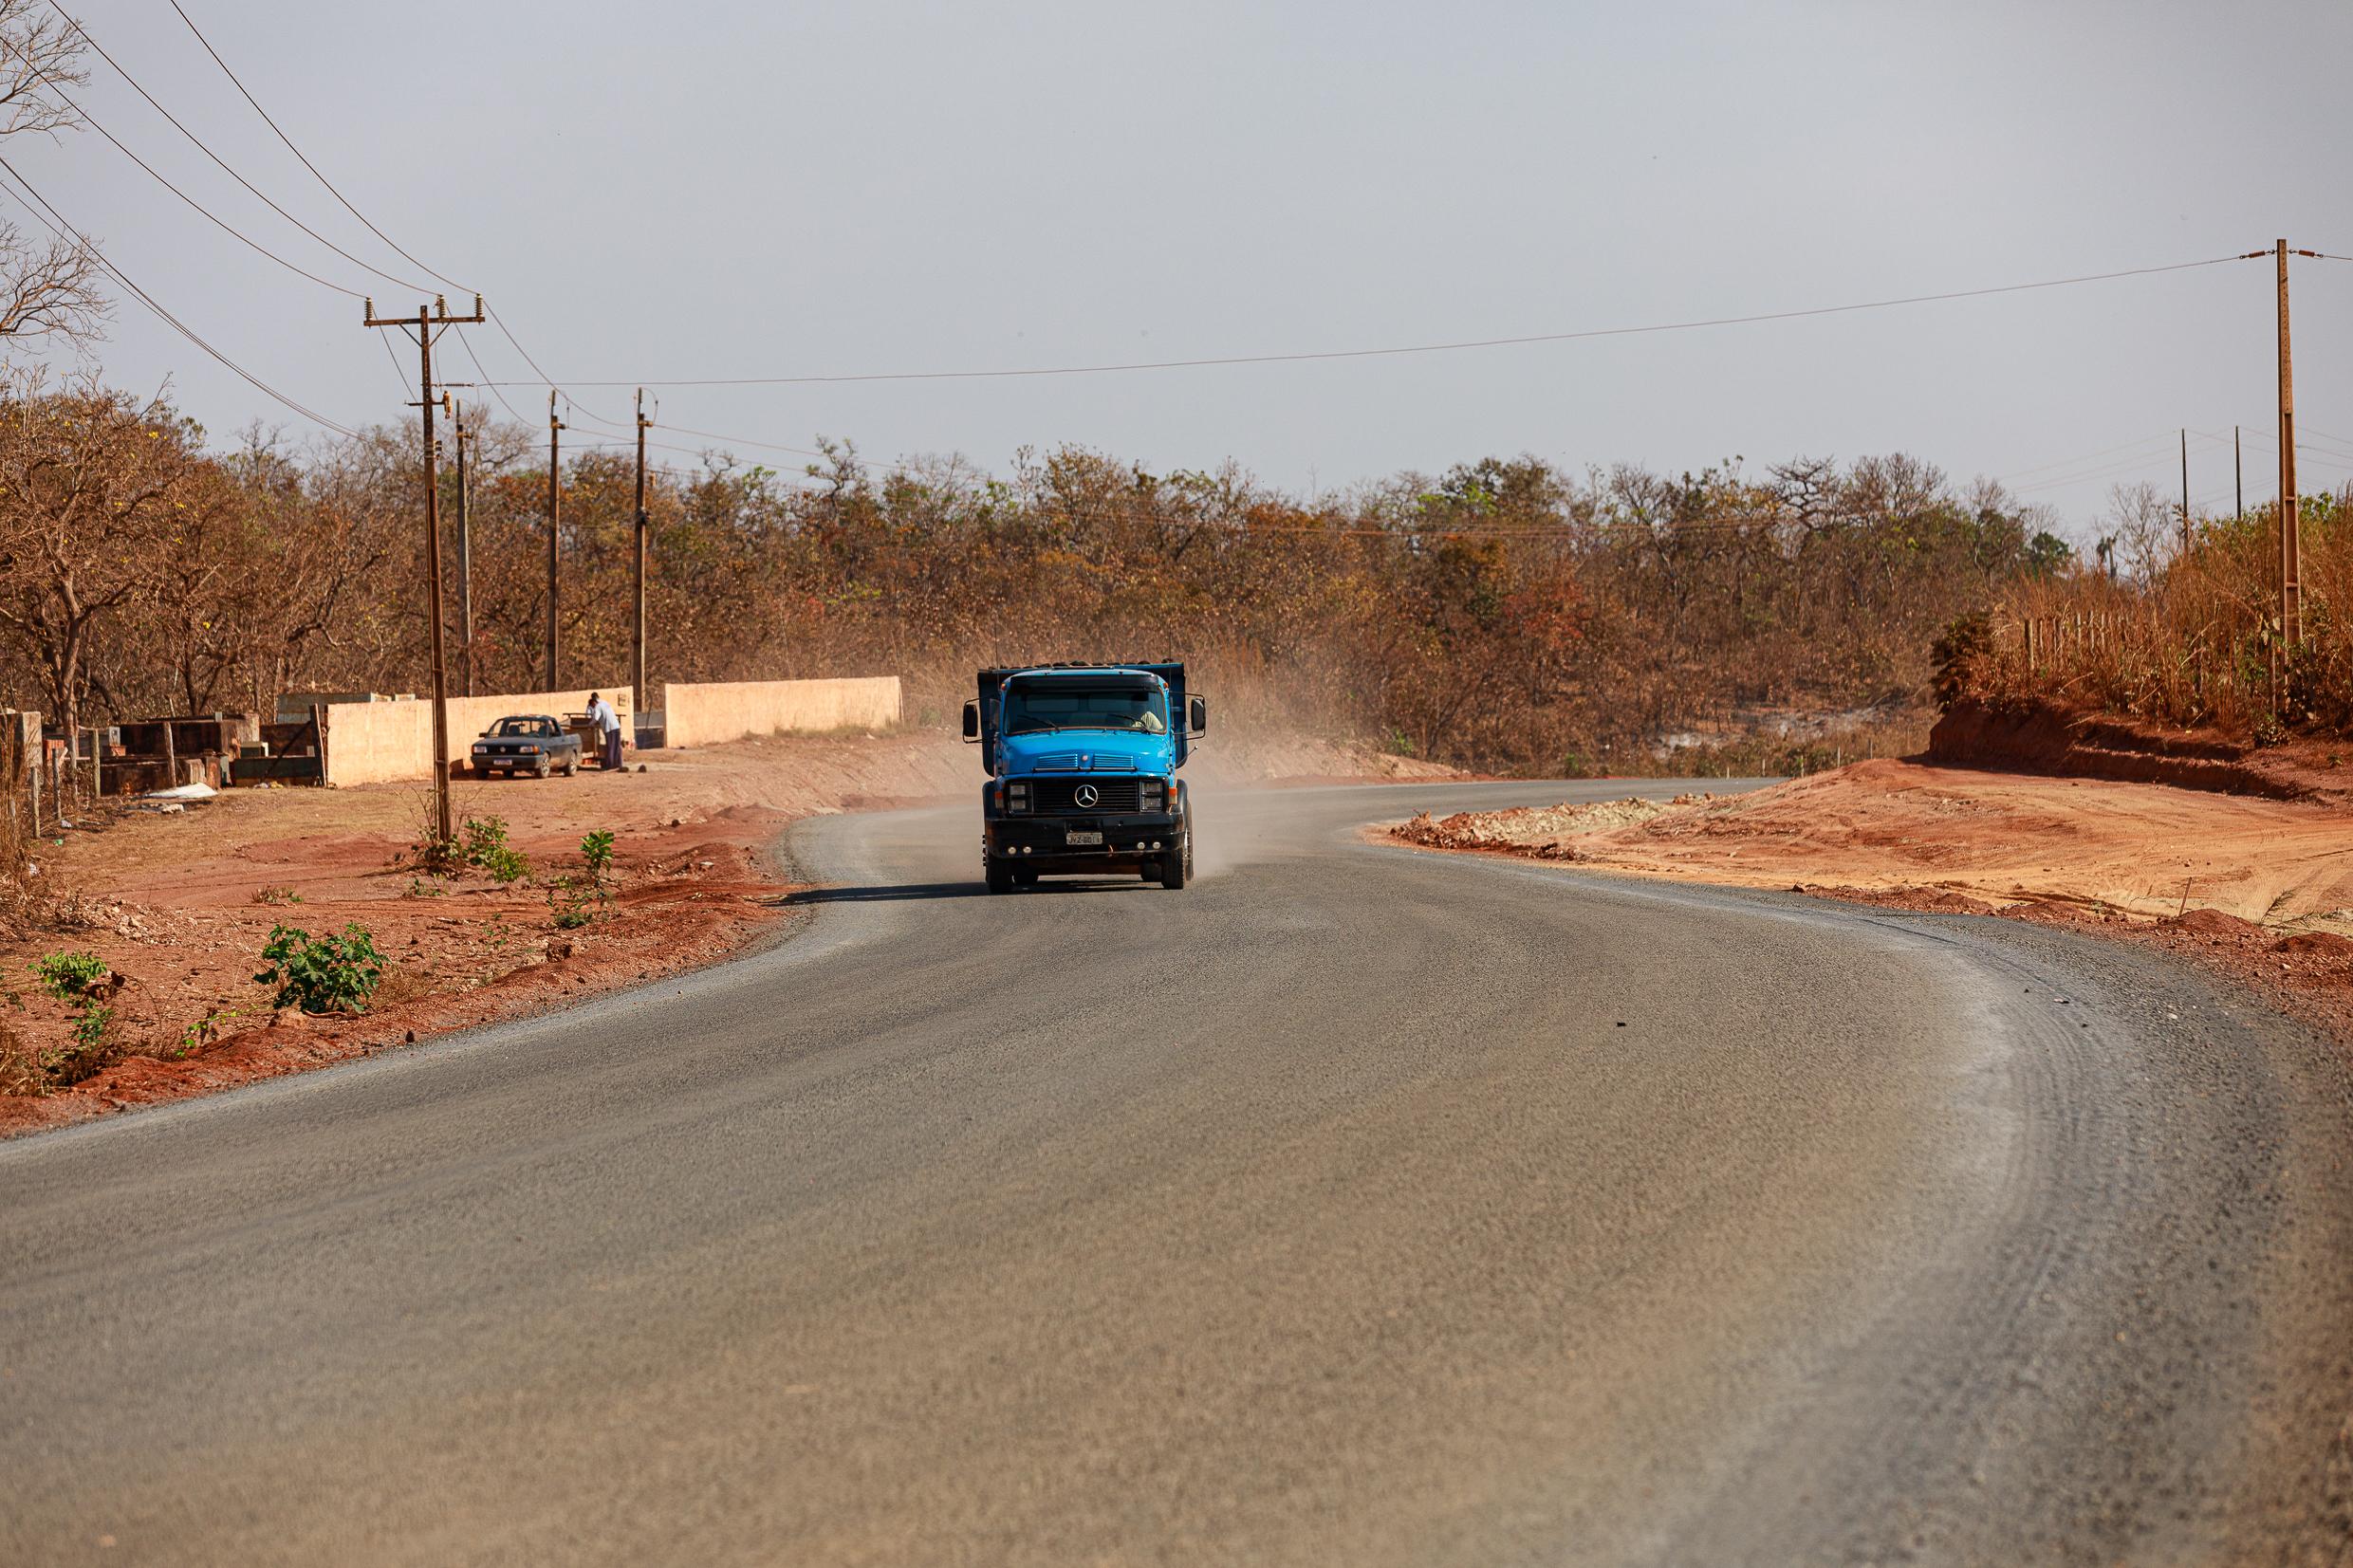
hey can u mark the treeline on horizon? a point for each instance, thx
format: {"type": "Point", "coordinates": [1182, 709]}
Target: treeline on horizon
{"type": "Point", "coordinates": [1506, 614]}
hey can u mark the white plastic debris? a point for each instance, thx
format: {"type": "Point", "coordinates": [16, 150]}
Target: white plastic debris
{"type": "Point", "coordinates": [185, 792]}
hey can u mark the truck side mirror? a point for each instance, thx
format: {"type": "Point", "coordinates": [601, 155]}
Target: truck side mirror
{"type": "Point", "coordinates": [971, 721]}
{"type": "Point", "coordinates": [1199, 716]}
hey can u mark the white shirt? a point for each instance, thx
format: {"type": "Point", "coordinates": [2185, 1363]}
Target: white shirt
{"type": "Point", "coordinates": [602, 713]}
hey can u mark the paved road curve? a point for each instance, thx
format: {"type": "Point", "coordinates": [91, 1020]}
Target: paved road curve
{"type": "Point", "coordinates": [1354, 1205]}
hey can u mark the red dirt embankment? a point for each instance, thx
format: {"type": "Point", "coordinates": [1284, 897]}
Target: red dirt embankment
{"type": "Point", "coordinates": [2117, 858]}
{"type": "Point", "coordinates": [2044, 737]}
{"type": "Point", "coordinates": [182, 903]}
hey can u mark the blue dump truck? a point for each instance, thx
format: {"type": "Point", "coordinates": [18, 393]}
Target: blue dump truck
{"type": "Point", "coordinates": [1082, 761]}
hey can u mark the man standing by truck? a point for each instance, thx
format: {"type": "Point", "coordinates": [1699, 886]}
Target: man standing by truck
{"type": "Point", "coordinates": [608, 728]}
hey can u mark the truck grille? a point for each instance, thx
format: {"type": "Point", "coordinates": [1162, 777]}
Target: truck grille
{"type": "Point", "coordinates": [1059, 797]}
{"type": "Point", "coordinates": [1073, 762]}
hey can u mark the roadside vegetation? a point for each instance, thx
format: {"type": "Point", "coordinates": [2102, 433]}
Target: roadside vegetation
{"type": "Point", "coordinates": [1506, 614]}
{"type": "Point", "coordinates": [2176, 628]}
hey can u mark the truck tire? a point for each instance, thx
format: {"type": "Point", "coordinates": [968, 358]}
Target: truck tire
{"type": "Point", "coordinates": [571, 764]}
{"type": "Point", "coordinates": [1000, 878]}
{"type": "Point", "coordinates": [543, 768]}
{"type": "Point", "coordinates": [1177, 869]}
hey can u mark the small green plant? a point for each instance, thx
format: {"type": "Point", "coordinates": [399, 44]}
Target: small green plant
{"type": "Point", "coordinates": [418, 888]}
{"type": "Point", "coordinates": [569, 901]}
{"type": "Point", "coordinates": [325, 974]}
{"type": "Point", "coordinates": [1399, 743]}
{"type": "Point", "coordinates": [504, 865]}
{"type": "Point", "coordinates": [70, 977]}
{"type": "Point", "coordinates": [84, 982]}
{"type": "Point", "coordinates": [480, 844]}
{"type": "Point", "coordinates": [597, 849]}
{"type": "Point", "coordinates": [276, 895]}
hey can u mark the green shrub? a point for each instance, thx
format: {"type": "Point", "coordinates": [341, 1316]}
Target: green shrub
{"type": "Point", "coordinates": [597, 849]}
{"type": "Point", "coordinates": [504, 865]}
{"type": "Point", "coordinates": [81, 980]}
{"type": "Point", "coordinates": [481, 843]}
{"type": "Point", "coordinates": [325, 974]}
{"type": "Point", "coordinates": [70, 977]}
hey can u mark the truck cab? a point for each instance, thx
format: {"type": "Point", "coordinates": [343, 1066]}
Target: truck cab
{"type": "Point", "coordinates": [1083, 764]}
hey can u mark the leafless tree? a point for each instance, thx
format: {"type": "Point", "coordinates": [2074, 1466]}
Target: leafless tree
{"type": "Point", "coordinates": [50, 289]}
{"type": "Point", "coordinates": [2144, 527]}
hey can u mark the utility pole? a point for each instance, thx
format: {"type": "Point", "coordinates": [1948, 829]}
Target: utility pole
{"type": "Point", "coordinates": [637, 635]}
{"type": "Point", "coordinates": [555, 515]}
{"type": "Point", "coordinates": [2185, 492]}
{"type": "Point", "coordinates": [2238, 477]}
{"type": "Point", "coordinates": [2291, 589]}
{"type": "Point", "coordinates": [427, 324]}
{"type": "Point", "coordinates": [465, 547]}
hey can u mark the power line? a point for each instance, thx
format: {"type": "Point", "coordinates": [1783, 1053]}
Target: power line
{"type": "Point", "coordinates": [217, 158]}
{"type": "Point", "coordinates": [2070, 462]}
{"type": "Point", "coordinates": [298, 153]}
{"type": "Point", "coordinates": [65, 231]}
{"type": "Point", "coordinates": [2116, 471]}
{"type": "Point", "coordinates": [496, 320]}
{"type": "Point", "coordinates": [1426, 348]}
{"type": "Point", "coordinates": [183, 196]}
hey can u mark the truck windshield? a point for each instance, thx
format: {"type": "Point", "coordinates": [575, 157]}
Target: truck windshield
{"type": "Point", "coordinates": [1033, 707]}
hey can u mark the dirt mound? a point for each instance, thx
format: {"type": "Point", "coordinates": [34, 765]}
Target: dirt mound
{"type": "Point", "coordinates": [2046, 737]}
{"type": "Point", "coordinates": [2215, 923]}
{"type": "Point", "coordinates": [1526, 827]}
{"type": "Point", "coordinates": [1935, 900]}
{"type": "Point", "coordinates": [751, 814]}
{"type": "Point", "coordinates": [2326, 943]}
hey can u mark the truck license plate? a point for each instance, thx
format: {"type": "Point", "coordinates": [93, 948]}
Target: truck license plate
{"type": "Point", "coordinates": [1081, 838]}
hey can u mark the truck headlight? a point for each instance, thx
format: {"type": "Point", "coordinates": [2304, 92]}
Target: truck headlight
{"type": "Point", "coordinates": [1017, 795]}
{"type": "Point", "coordinates": [533, 749]}
{"type": "Point", "coordinates": [1155, 795]}
{"type": "Point", "coordinates": [481, 750]}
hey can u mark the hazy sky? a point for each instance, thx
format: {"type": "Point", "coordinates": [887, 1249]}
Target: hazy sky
{"type": "Point", "coordinates": [685, 191]}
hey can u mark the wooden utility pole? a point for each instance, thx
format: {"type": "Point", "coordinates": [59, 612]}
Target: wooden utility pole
{"type": "Point", "coordinates": [2185, 492]}
{"type": "Point", "coordinates": [637, 635]}
{"type": "Point", "coordinates": [465, 549]}
{"type": "Point", "coordinates": [2291, 591]}
{"type": "Point", "coordinates": [427, 322]}
{"type": "Point", "coordinates": [555, 516]}
{"type": "Point", "coordinates": [2238, 477]}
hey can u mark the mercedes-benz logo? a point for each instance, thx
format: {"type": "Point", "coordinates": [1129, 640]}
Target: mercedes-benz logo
{"type": "Point", "coordinates": [1086, 797]}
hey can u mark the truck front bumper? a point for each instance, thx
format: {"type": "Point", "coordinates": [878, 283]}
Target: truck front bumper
{"type": "Point", "coordinates": [1119, 842]}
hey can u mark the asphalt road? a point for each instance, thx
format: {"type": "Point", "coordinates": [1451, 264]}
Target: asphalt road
{"type": "Point", "coordinates": [1353, 1205]}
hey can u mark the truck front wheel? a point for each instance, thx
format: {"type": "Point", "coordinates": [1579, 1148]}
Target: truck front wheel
{"type": "Point", "coordinates": [1176, 867]}
{"type": "Point", "coordinates": [1000, 878]}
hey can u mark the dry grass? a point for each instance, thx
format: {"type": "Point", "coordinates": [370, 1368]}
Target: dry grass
{"type": "Point", "coordinates": [20, 1066]}
{"type": "Point", "coordinates": [401, 985]}
{"type": "Point", "coordinates": [2196, 646]}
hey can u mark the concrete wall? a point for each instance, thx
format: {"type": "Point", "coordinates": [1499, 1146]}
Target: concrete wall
{"type": "Point", "coordinates": [715, 712]}
{"type": "Point", "coordinates": [373, 742]}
